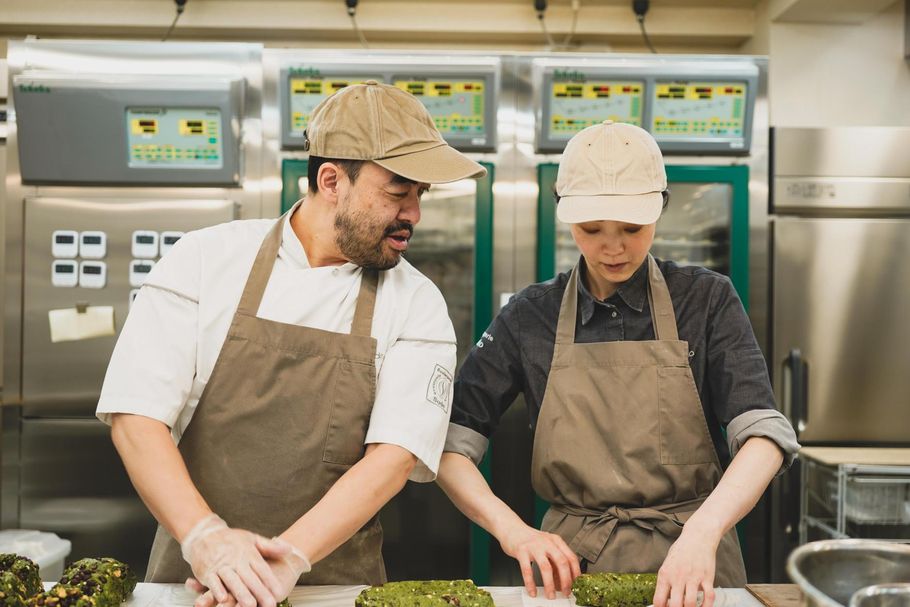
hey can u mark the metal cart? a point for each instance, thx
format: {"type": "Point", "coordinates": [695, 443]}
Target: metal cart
{"type": "Point", "coordinates": [855, 492]}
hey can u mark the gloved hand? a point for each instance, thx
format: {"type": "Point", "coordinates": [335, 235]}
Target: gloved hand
{"type": "Point", "coordinates": [286, 561]}
{"type": "Point", "coordinates": [228, 562]}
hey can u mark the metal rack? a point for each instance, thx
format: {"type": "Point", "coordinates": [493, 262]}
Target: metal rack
{"type": "Point", "coordinates": [855, 492]}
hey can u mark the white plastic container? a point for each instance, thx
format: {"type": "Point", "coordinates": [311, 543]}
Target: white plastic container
{"type": "Point", "coordinates": [46, 549]}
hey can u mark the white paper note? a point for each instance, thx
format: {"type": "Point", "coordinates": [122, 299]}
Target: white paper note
{"type": "Point", "coordinates": [69, 324]}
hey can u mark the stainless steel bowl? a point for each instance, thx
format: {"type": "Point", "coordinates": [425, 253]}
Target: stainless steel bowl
{"type": "Point", "coordinates": [831, 571]}
{"type": "Point", "coordinates": [882, 595]}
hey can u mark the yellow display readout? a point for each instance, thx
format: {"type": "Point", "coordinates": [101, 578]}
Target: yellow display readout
{"type": "Point", "coordinates": [457, 106]}
{"type": "Point", "coordinates": [595, 90]}
{"type": "Point", "coordinates": [144, 126]}
{"type": "Point", "coordinates": [699, 90]}
{"type": "Point", "coordinates": [192, 127]}
{"type": "Point", "coordinates": [326, 86]}
{"type": "Point", "coordinates": [699, 109]}
{"type": "Point", "coordinates": [422, 88]}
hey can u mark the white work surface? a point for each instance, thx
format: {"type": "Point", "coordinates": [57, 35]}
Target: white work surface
{"type": "Point", "coordinates": [175, 595]}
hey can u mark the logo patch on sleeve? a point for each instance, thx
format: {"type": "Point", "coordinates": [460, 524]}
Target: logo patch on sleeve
{"type": "Point", "coordinates": [439, 388]}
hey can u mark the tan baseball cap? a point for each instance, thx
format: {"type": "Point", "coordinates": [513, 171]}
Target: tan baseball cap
{"type": "Point", "coordinates": [611, 171]}
{"type": "Point", "coordinates": [389, 126]}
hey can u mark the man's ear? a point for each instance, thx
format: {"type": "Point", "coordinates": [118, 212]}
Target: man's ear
{"type": "Point", "coordinates": [327, 179]}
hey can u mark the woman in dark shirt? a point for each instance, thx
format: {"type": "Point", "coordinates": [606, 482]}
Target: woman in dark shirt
{"type": "Point", "coordinates": [631, 370]}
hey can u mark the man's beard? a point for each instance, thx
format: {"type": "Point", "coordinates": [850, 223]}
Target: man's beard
{"type": "Point", "coordinates": [361, 238]}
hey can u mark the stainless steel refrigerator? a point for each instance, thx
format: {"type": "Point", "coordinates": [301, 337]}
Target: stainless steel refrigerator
{"type": "Point", "coordinates": [840, 292]}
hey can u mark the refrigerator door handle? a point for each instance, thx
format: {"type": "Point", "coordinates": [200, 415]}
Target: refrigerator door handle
{"type": "Point", "coordinates": [797, 371]}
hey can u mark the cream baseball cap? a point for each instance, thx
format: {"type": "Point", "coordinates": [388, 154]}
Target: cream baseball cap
{"type": "Point", "coordinates": [611, 171]}
{"type": "Point", "coordinates": [390, 127]}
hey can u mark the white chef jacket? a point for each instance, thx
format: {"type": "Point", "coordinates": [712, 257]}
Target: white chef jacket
{"type": "Point", "coordinates": [176, 327]}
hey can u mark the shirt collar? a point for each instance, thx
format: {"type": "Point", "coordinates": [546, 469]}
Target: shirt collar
{"type": "Point", "coordinates": [633, 292]}
{"type": "Point", "coordinates": [291, 246]}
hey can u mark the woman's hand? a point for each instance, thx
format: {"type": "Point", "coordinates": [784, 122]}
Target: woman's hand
{"type": "Point", "coordinates": [557, 563]}
{"type": "Point", "coordinates": [688, 570]}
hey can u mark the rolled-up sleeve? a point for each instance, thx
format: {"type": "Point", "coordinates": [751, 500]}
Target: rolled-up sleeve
{"type": "Point", "coordinates": [737, 378]}
{"type": "Point", "coordinates": [767, 423]}
{"type": "Point", "coordinates": [487, 384]}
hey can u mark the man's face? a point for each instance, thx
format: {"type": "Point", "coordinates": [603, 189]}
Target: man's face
{"type": "Point", "coordinates": [376, 216]}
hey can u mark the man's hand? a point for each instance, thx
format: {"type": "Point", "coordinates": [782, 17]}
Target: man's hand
{"type": "Point", "coordinates": [557, 563]}
{"type": "Point", "coordinates": [687, 570]}
{"type": "Point", "coordinates": [229, 563]}
{"type": "Point", "coordinates": [285, 561]}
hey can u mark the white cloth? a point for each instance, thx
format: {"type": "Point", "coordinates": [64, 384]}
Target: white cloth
{"type": "Point", "coordinates": [174, 332]}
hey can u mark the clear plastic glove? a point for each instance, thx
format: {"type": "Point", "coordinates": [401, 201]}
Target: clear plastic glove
{"type": "Point", "coordinates": [228, 562]}
{"type": "Point", "coordinates": [286, 562]}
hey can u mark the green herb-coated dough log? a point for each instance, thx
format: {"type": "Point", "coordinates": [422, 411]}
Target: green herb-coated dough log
{"type": "Point", "coordinates": [108, 577]}
{"type": "Point", "coordinates": [614, 589]}
{"type": "Point", "coordinates": [13, 590]}
{"type": "Point", "coordinates": [25, 569]}
{"type": "Point", "coordinates": [456, 593]}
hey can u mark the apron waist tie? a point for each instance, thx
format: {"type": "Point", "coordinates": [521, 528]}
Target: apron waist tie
{"type": "Point", "coordinates": [599, 525]}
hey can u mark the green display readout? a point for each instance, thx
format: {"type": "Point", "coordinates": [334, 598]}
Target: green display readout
{"type": "Point", "coordinates": [306, 92]}
{"type": "Point", "coordinates": [577, 105]}
{"type": "Point", "coordinates": [687, 109]}
{"type": "Point", "coordinates": [163, 137]}
{"type": "Point", "coordinates": [456, 105]}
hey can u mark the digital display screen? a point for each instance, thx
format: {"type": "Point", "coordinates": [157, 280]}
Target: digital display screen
{"type": "Point", "coordinates": [171, 239]}
{"type": "Point", "coordinates": [91, 269]}
{"type": "Point", "coordinates": [91, 240]}
{"type": "Point", "coordinates": [306, 92]}
{"type": "Point", "coordinates": [64, 269]}
{"type": "Point", "coordinates": [181, 138]}
{"type": "Point", "coordinates": [575, 106]}
{"type": "Point", "coordinates": [142, 268]}
{"type": "Point", "coordinates": [64, 239]}
{"type": "Point", "coordinates": [456, 105]}
{"type": "Point", "coordinates": [688, 109]}
{"type": "Point", "coordinates": [145, 239]}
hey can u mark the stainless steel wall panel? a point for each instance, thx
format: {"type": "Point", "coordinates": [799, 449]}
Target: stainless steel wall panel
{"type": "Point", "coordinates": [841, 296]}
{"type": "Point", "coordinates": [841, 152]}
{"type": "Point", "coordinates": [65, 378]}
{"type": "Point", "coordinates": [842, 195]}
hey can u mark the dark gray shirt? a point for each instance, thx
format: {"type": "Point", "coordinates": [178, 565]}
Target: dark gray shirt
{"type": "Point", "coordinates": [515, 353]}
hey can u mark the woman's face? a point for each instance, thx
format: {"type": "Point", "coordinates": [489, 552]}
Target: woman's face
{"type": "Point", "coordinates": [612, 252]}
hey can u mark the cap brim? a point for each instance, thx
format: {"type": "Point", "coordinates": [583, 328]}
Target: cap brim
{"type": "Point", "coordinates": [441, 164]}
{"type": "Point", "coordinates": [640, 209]}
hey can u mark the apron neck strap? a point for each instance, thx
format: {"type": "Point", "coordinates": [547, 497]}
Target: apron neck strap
{"type": "Point", "coordinates": [366, 301]}
{"type": "Point", "coordinates": [662, 315]}
{"type": "Point", "coordinates": [262, 270]}
{"type": "Point", "coordinates": [565, 328]}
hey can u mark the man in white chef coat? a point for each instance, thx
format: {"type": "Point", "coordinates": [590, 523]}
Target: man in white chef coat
{"type": "Point", "coordinates": [284, 379]}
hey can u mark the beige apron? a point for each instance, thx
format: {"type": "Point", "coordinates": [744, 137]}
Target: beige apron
{"type": "Point", "coordinates": [283, 416]}
{"type": "Point", "coordinates": [622, 449]}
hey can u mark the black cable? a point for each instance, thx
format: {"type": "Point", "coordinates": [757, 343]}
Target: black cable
{"type": "Point", "coordinates": [541, 7]}
{"type": "Point", "coordinates": [640, 8]}
{"type": "Point", "coordinates": [352, 13]}
{"type": "Point", "coordinates": [181, 4]}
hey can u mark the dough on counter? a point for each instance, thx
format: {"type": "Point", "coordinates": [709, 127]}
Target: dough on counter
{"type": "Point", "coordinates": [101, 582]}
{"type": "Point", "coordinates": [614, 589]}
{"type": "Point", "coordinates": [13, 591]}
{"type": "Point", "coordinates": [25, 569]}
{"type": "Point", "coordinates": [456, 593]}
